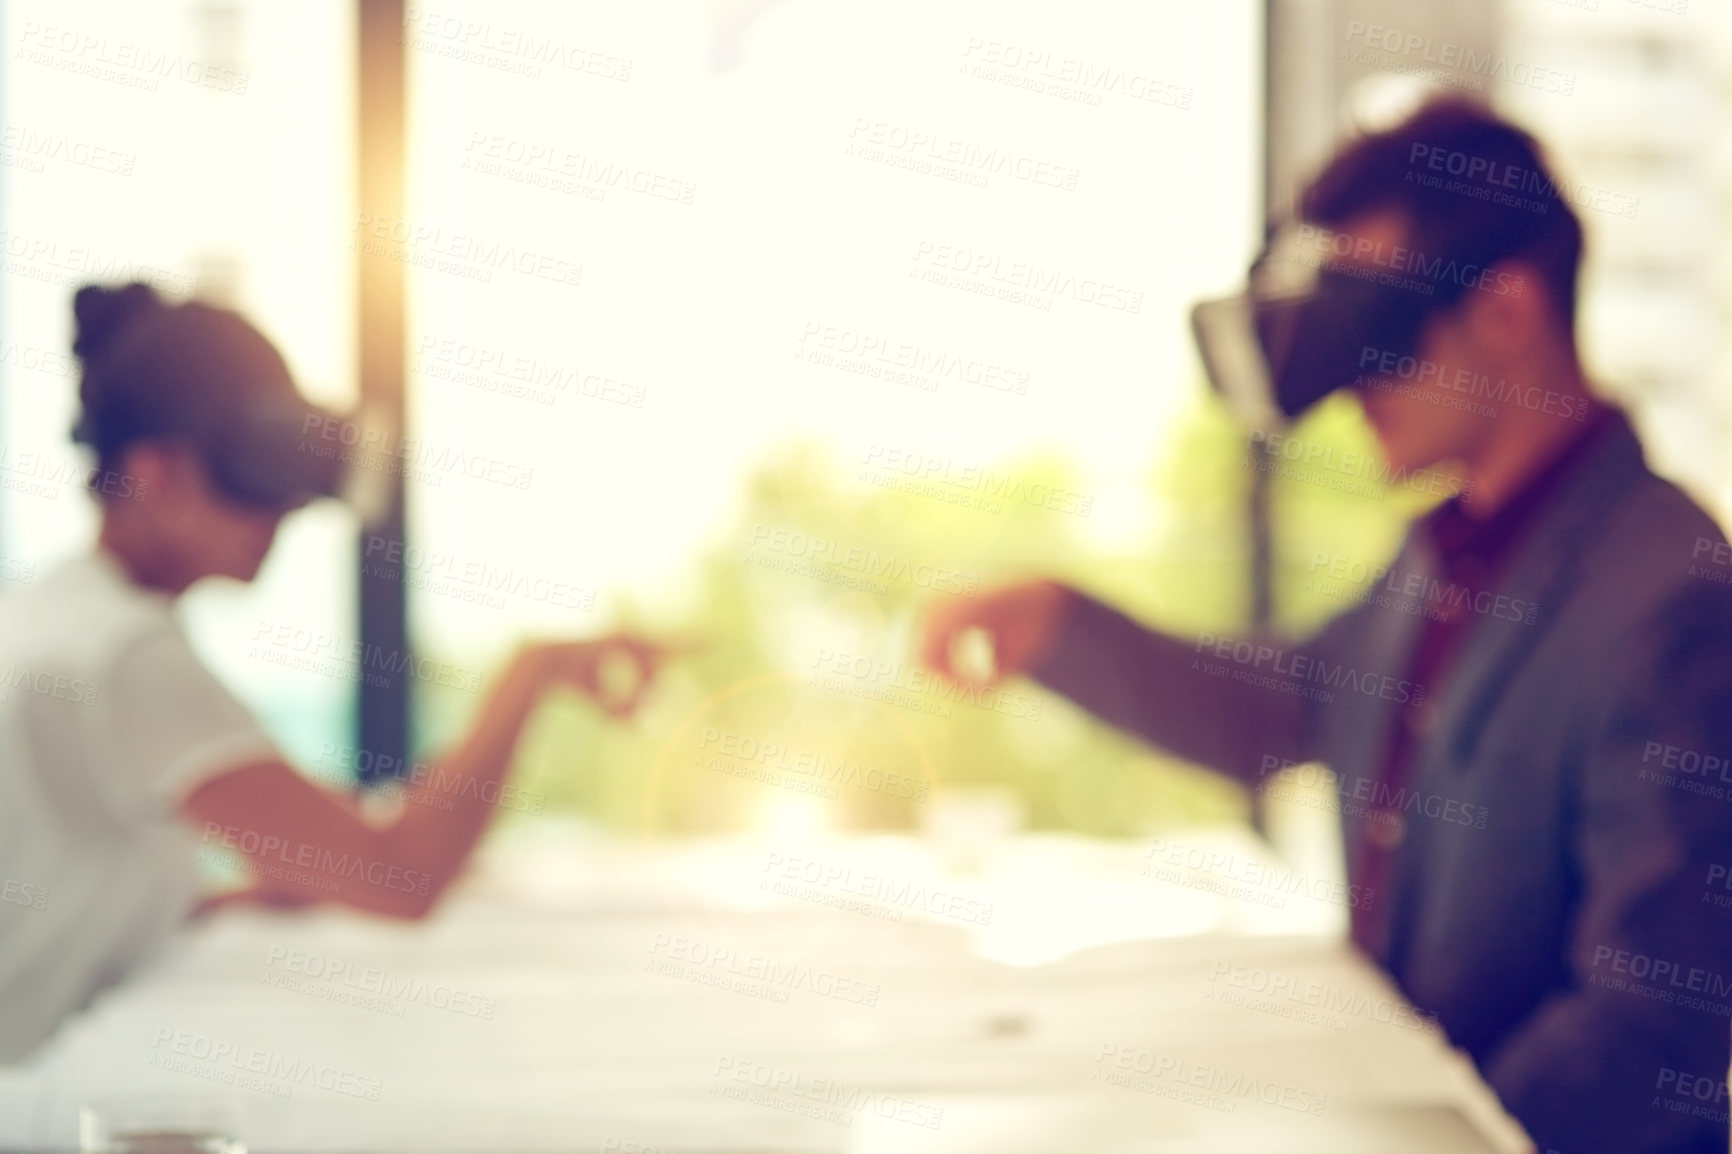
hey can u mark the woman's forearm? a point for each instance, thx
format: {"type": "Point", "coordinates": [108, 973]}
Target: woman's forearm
{"type": "Point", "coordinates": [308, 843]}
{"type": "Point", "coordinates": [437, 840]}
{"type": "Point", "coordinates": [269, 812]}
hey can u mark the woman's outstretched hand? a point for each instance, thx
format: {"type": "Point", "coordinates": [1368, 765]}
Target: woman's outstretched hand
{"type": "Point", "coordinates": [615, 671]}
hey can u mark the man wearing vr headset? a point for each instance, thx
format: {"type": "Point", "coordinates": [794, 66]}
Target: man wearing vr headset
{"type": "Point", "coordinates": [1545, 810]}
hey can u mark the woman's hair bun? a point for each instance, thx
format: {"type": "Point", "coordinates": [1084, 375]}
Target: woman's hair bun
{"type": "Point", "coordinates": [101, 312]}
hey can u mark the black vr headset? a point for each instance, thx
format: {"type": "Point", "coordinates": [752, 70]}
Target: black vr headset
{"type": "Point", "coordinates": [264, 451]}
{"type": "Point", "coordinates": [1305, 325]}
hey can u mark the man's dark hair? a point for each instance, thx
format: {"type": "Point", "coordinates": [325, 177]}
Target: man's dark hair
{"type": "Point", "coordinates": [1472, 188]}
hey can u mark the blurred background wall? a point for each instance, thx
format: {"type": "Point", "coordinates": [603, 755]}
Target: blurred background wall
{"type": "Point", "coordinates": [766, 322]}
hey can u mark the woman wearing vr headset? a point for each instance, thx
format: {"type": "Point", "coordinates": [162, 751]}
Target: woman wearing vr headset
{"type": "Point", "coordinates": [121, 756]}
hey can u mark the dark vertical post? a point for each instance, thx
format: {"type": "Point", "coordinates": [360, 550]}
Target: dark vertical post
{"type": "Point", "coordinates": [1262, 551]}
{"type": "Point", "coordinates": [384, 698]}
{"type": "Point", "coordinates": [1262, 608]}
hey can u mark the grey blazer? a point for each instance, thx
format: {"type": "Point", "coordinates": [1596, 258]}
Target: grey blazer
{"type": "Point", "coordinates": [1579, 944]}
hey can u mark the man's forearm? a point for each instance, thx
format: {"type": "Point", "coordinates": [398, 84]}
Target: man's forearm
{"type": "Point", "coordinates": [1175, 693]}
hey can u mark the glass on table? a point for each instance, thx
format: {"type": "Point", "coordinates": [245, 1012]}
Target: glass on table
{"type": "Point", "coordinates": [161, 1124]}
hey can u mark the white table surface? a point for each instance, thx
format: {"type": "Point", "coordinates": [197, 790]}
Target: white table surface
{"type": "Point", "coordinates": [578, 1038]}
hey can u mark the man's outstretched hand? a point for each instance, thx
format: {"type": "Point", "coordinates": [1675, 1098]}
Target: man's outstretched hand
{"type": "Point", "coordinates": [1004, 633]}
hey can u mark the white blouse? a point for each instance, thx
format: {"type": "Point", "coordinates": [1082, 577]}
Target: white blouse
{"type": "Point", "coordinates": [107, 719]}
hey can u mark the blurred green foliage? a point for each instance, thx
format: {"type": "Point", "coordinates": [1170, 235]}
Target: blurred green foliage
{"type": "Point", "coordinates": [765, 613]}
